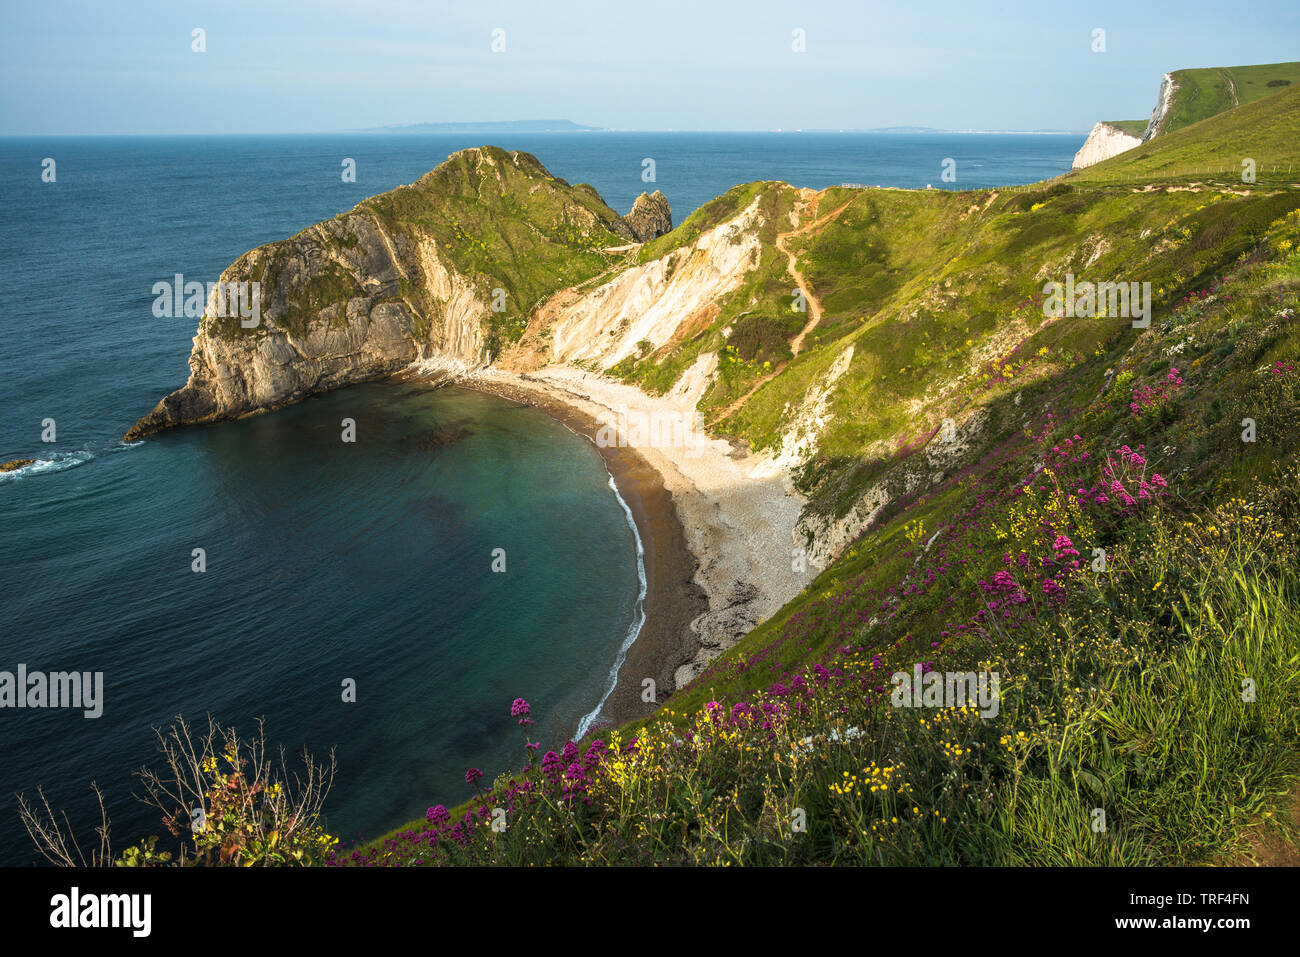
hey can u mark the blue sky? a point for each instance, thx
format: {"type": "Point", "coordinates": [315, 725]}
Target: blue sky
{"type": "Point", "coordinates": [112, 66]}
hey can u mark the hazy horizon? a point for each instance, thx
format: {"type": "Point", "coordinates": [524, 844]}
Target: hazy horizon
{"type": "Point", "coordinates": [470, 129]}
{"type": "Point", "coordinates": [119, 68]}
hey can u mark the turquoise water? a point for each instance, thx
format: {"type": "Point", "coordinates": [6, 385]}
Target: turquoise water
{"type": "Point", "coordinates": [325, 561]}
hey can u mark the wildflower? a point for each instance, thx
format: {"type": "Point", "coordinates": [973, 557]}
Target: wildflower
{"type": "Point", "coordinates": [552, 764]}
{"type": "Point", "coordinates": [1064, 547]}
{"type": "Point", "coordinates": [1053, 591]}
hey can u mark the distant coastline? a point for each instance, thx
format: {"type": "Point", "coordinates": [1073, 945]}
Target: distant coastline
{"type": "Point", "coordinates": [488, 127]}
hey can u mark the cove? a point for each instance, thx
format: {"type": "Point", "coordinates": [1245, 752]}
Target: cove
{"type": "Point", "coordinates": [326, 562]}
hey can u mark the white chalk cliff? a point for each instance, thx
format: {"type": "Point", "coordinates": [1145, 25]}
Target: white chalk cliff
{"type": "Point", "coordinates": [1102, 143]}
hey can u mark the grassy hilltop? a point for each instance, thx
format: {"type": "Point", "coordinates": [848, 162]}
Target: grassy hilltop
{"type": "Point", "coordinates": [1131, 127]}
{"type": "Point", "coordinates": [1200, 94]}
{"type": "Point", "coordinates": [1213, 150]}
{"type": "Point", "coordinates": [1114, 532]}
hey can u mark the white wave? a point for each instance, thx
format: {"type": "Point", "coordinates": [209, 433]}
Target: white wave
{"type": "Point", "coordinates": [633, 630]}
{"type": "Point", "coordinates": [62, 461]}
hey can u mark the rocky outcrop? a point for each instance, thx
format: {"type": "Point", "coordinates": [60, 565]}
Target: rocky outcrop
{"type": "Point", "coordinates": [344, 301]}
{"type": "Point", "coordinates": [1102, 143]}
{"type": "Point", "coordinates": [15, 464]}
{"type": "Point", "coordinates": [651, 216]}
{"type": "Point", "coordinates": [829, 536]}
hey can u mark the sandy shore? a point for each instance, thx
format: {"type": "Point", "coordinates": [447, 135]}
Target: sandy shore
{"type": "Point", "coordinates": [717, 524]}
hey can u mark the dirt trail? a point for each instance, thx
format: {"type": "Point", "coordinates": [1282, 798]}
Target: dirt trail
{"type": "Point", "coordinates": [814, 305]}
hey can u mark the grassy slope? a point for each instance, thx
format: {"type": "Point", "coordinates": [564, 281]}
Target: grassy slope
{"type": "Point", "coordinates": [940, 294]}
{"type": "Point", "coordinates": [507, 224]}
{"type": "Point", "coordinates": [1132, 127]}
{"type": "Point", "coordinates": [1265, 130]}
{"type": "Point", "coordinates": [1208, 92]}
{"type": "Point", "coordinates": [915, 280]}
{"type": "Point", "coordinates": [974, 279]}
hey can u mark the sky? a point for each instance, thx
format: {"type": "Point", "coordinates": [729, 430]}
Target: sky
{"type": "Point", "coordinates": [298, 66]}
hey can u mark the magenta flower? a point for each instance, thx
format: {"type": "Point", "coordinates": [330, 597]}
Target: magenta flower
{"type": "Point", "coordinates": [1064, 548]}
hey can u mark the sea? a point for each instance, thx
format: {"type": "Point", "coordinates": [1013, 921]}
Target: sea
{"type": "Point", "coordinates": [383, 601]}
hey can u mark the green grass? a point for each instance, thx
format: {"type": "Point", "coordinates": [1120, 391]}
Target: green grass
{"type": "Point", "coordinates": [1131, 127]}
{"type": "Point", "coordinates": [1204, 93]}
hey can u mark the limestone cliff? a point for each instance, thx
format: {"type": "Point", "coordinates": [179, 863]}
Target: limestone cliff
{"type": "Point", "coordinates": [645, 306]}
{"type": "Point", "coordinates": [1110, 138]}
{"type": "Point", "coordinates": [1105, 140]}
{"type": "Point", "coordinates": [341, 302]}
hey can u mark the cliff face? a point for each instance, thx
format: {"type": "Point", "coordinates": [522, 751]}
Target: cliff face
{"type": "Point", "coordinates": [341, 302]}
{"type": "Point", "coordinates": [1103, 142]}
{"type": "Point", "coordinates": [1160, 115]}
{"type": "Point", "coordinates": [1109, 139]}
{"type": "Point", "coordinates": [644, 306]}
{"type": "Point", "coordinates": [436, 274]}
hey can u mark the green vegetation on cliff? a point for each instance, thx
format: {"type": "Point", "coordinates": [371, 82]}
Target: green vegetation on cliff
{"type": "Point", "coordinates": [1201, 94]}
{"type": "Point", "coordinates": [506, 224]}
{"type": "Point", "coordinates": [494, 220]}
{"type": "Point", "coordinates": [1264, 131]}
{"type": "Point", "coordinates": [1131, 127]}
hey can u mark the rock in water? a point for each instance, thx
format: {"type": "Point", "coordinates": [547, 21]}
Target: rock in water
{"type": "Point", "coordinates": [15, 464]}
{"type": "Point", "coordinates": [651, 216]}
